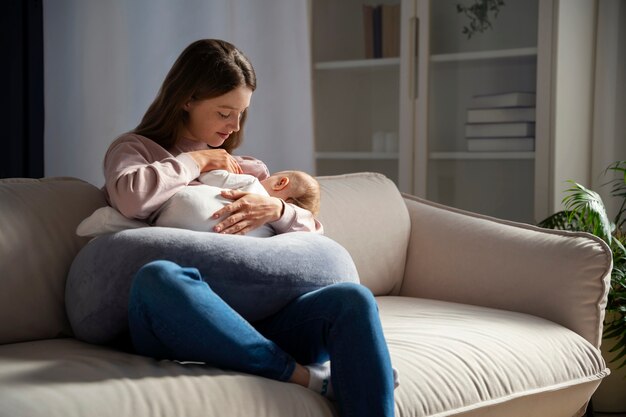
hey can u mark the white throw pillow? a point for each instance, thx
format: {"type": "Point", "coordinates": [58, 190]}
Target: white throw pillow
{"type": "Point", "coordinates": [106, 220]}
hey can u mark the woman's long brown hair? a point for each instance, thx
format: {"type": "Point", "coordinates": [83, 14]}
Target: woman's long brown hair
{"type": "Point", "coordinates": [207, 68]}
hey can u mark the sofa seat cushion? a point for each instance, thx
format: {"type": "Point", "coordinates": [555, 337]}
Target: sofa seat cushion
{"type": "Point", "coordinates": [452, 359]}
{"type": "Point", "coordinates": [461, 359]}
{"type": "Point", "coordinates": [69, 378]}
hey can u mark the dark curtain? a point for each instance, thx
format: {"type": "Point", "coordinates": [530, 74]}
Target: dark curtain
{"type": "Point", "coordinates": [22, 105]}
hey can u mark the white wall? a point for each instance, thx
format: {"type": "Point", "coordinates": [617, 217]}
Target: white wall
{"type": "Point", "coordinates": [609, 133]}
{"type": "Point", "coordinates": [104, 62]}
{"type": "Point", "coordinates": [589, 125]}
{"type": "Point", "coordinates": [573, 109]}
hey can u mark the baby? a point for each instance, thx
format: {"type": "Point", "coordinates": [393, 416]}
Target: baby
{"type": "Point", "coordinates": [192, 207]}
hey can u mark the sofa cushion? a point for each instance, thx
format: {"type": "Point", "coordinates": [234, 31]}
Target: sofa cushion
{"type": "Point", "coordinates": [68, 378]}
{"type": "Point", "coordinates": [255, 276]}
{"type": "Point", "coordinates": [477, 361]}
{"type": "Point", "coordinates": [452, 359]}
{"type": "Point", "coordinates": [366, 214]}
{"type": "Point", "coordinates": [38, 243]}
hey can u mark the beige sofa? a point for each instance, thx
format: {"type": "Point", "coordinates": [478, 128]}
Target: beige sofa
{"type": "Point", "coordinates": [483, 317]}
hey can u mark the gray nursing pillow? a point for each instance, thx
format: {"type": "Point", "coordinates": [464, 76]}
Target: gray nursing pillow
{"type": "Point", "coordinates": [255, 276]}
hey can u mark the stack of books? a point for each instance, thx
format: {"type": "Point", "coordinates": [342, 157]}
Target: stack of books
{"type": "Point", "coordinates": [501, 122]}
{"type": "Point", "coordinates": [381, 27]}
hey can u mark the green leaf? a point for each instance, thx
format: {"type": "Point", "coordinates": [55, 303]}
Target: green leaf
{"type": "Point", "coordinates": [588, 207]}
{"type": "Point", "coordinates": [562, 220]}
{"type": "Point", "coordinates": [620, 344]}
{"type": "Point", "coordinates": [618, 357]}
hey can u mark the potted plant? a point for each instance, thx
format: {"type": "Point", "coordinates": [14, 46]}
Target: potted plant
{"type": "Point", "coordinates": [585, 211]}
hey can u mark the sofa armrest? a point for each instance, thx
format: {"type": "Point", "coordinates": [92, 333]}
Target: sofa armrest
{"type": "Point", "coordinates": [469, 258]}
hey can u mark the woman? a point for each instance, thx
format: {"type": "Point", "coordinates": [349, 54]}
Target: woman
{"type": "Point", "coordinates": [191, 127]}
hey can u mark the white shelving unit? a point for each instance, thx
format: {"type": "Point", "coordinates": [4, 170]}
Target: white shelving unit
{"type": "Point", "coordinates": [472, 56]}
{"type": "Point", "coordinates": [423, 95]}
{"type": "Point", "coordinates": [481, 155]}
{"type": "Point", "coordinates": [358, 63]}
{"type": "Point", "coordinates": [355, 98]}
{"type": "Point", "coordinates": [357, 155]}
{"type": "Point", "coordinates": [451, 69]}
{"type": "Point", "coordinates": [468, 57]}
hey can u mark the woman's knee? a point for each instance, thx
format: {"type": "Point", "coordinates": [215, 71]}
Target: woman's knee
{"type": "Point", "coordinates": [351, 297]}
{"type": "Point", "coordinates": [154, 273]}
{"type": "Point", "coordinates": [160, 277]}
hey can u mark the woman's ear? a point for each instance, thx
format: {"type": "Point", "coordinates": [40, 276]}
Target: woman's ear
{"type": "Point", "coordinates": [188, 103]}
{"type": "Point", "coordinates": [281, 183]}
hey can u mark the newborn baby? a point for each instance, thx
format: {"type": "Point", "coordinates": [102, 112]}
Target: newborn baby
{"type": "Point", "coordinates": [192, 207]}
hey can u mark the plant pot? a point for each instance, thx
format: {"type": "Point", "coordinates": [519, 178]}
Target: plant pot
{"type": "Point", "coordinates": [610, 396]}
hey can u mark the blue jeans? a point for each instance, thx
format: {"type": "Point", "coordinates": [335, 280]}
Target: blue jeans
{"type": "Point", "coordinates": [174, 314]}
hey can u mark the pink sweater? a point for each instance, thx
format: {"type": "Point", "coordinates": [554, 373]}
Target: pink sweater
{"type": "Point", "coordinates": [141, 175]}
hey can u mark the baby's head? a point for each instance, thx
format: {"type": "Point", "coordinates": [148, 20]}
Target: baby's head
{"type": "Point", "coordinates": [295, 187]}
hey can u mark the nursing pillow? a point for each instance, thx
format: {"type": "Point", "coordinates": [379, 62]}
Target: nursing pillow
{"type": "Point", "coordinates": [255, 276]}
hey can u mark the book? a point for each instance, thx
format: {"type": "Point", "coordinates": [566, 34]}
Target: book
{"type": "Point", "coordinates": [368, 30]}
{"type": "Point", "coordinates": [501, 114]}
{"type": "Point", "coordinates": [377, 31]}
{"type": "Point", "coordinates": [501, 144]}
{"type": "Point", "coordinates": [474, 130]}
{"type": "Point", "coordinates": [512, 99]}
{"type": "Point", "coordinates": [390, 30]}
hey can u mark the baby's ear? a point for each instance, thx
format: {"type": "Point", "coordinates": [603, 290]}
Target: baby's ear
{"type": "Point", "coordinates": [281, 183]}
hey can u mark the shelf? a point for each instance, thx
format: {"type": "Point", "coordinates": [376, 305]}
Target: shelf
{"type": "Point", "coordinates": [481, 155]}
{"type": "Point", "coordinates": [356, 155]}
{"type": "Point", "coordinates": [358, 63]}
{"type": "Point", "coordinates": [472, 56]}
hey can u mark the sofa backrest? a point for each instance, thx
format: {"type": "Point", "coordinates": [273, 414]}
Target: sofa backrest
{"type": "Point", "coordinates": [366, 214]}
{"type": "Point", "coordinates": [38, 219]}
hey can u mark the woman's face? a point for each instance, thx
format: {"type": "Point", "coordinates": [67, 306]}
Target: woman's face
{"type": "Point", "coordinates": [212, 120]}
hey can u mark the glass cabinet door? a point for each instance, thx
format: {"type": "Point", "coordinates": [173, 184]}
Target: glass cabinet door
{"type": "Point", "coordinates": [356, 65]}
{"type": "Point", "coordinates": [480, 94]}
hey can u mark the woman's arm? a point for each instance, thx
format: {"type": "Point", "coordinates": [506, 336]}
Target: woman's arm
{"type": "Point", "coordinates": [249, 211]}
{"type": "Point", "coordinates": [214, 159]}
{"type": "Point", "coordinates": [253, 166]}
{"type": "Point", "coordinates": [140, 175]}
{"type": "Point", "coordinates": [297, 219]}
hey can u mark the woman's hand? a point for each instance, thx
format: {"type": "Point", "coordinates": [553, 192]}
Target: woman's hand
{"type": "Point", "coordinates": [215, 159]}
{"type": "Point", "coordinates": [248, 212]}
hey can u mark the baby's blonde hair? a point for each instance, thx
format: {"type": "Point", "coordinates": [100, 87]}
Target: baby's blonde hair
{"type": "Point", "coordinates": [306, 190]}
